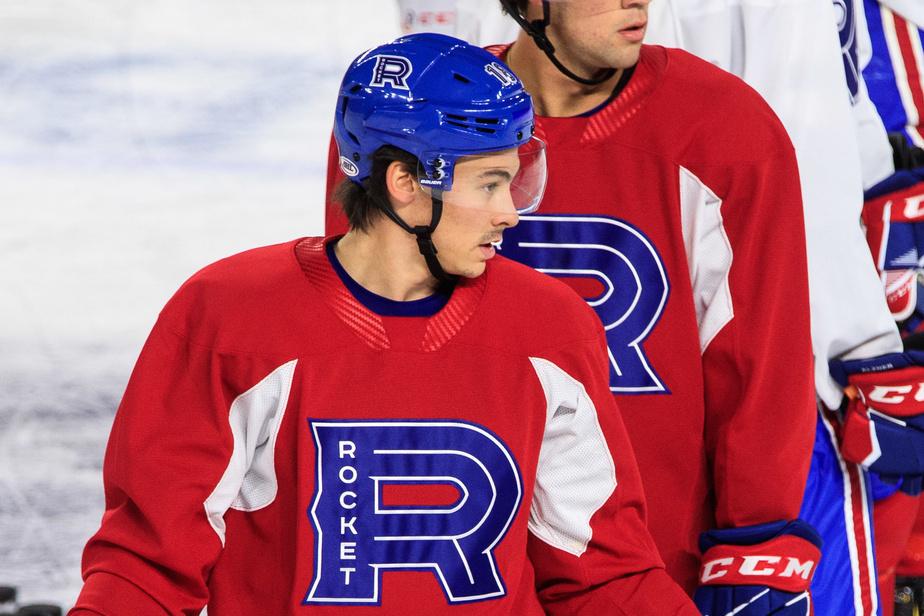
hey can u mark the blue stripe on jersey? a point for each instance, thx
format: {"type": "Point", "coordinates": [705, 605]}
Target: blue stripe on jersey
{"type": "Point", "coordinates": [836, 587]}
{"type": "Point", "coordinates": [383, 306]}
{"type": "Point", "coordinates": [880, 75]}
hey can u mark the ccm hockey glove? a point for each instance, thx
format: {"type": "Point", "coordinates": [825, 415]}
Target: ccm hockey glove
{"type": "Point", "coordinates": [893, 215]}
{"type": "Point", "coordinates": [758, 570]}
{"type": "Point", "coordinates": [883, 425]}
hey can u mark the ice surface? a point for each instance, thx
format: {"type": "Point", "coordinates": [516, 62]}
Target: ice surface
{"type": "Point", "coordinates": [139, 141]}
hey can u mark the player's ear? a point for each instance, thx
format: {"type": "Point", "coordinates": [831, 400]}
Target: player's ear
{"type": "Point", "coordinates": [531, 9]}
{"type": "Point", "coordinates": [401, 183]}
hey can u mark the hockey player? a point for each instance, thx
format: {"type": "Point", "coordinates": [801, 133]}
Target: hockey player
{"type": "Point", "coordinates": [395, 421]}
{"type": "Point", "coordinates": [826, 116]}
{"type": "Point", "coordinates": [893, 221]}
{"type": "Point", "coordinates": [673, 205]}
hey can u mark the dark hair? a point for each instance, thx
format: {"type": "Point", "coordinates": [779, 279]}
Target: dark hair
{"type": "Point", "coordinates": [363, 204]}
{"type": "Point", "coordinates": [520, 4]}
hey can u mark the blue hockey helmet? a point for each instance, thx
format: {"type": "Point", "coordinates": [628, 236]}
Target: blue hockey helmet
{"type": "Point", "coordinates": [436, 97]}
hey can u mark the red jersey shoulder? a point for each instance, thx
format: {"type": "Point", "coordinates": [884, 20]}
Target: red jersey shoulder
{"type": "Point", "coordinates": [229, 295]}
{"type": "Point", "coordinates": [721, 113]}
{"type": "Point", "coordinates": [531, 301]}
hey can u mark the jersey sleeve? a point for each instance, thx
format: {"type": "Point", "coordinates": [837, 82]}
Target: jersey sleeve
{"type": "Point", "coordinates": [849, 316]}
{"type": "Point", "coordinates": [335, 222]}
{"type": "Point", "coordinates": [911, 10]}
{"type": "Point", "coordinates": [839, 148]}
{"type": "Point", "coordinates": [748, 266]}
{"type": "Point", "coordinates": [589, 543]}
{"type": "Point", "coordinates": [168, 479]}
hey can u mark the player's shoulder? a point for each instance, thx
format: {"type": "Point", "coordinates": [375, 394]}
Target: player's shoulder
{"type": "Point", "coordinates": [538, 303]}
{"type": "Point", "coordinates": [716, 103]}
{"type": "Point", "coordinates": [235, 288]}
{"type": "Point", "coordinates": [681, 70]}
{"type": "Point", "coordinates": [249, 271]}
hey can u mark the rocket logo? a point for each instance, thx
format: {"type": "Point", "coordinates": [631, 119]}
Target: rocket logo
{"type": "Point", "coordinates": [362, 529]}
{"type": "Point", "coordinates": [626, 266]}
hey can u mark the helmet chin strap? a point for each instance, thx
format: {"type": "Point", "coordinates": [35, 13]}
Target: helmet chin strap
{"type": "Point", "coordinates": [424, 235]}
{"type": "Point", "coordinates": [536, 30]}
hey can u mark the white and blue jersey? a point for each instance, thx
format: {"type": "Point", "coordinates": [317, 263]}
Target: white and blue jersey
{"type": "Point", "coordinates": [805, 58]}
{"type": "Point", "coordinates": [893, 76]}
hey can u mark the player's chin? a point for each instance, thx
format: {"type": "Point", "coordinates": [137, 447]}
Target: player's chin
{"type": "Point", "coordinates": [473, 269]}
{"type": "Point", "coordinates": [625, 54]}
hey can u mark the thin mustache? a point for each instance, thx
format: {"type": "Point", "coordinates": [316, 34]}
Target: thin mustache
{"type": "Point", "coordinates": [492, 238]}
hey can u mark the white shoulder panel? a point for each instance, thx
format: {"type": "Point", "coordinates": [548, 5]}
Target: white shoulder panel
{"type": "Point", "coordinates": [249, 481]}
{"type": "Point", "coordinates": [709, 256]}
{"type": "Point", "coordinates": [912, 10]}
{"type": "Point", "coordinates": [576, 474]}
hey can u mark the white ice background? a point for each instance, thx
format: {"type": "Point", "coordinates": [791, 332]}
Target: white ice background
{"type": "Point", "coordinates": [139, 141]}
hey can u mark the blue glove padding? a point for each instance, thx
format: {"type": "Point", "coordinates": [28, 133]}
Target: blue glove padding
{"type": "Point", "coordinates": [767, 567]}
{"type": "Point", "coordinates": [880, 488]}
{"type": "Point", "coordinates": [912, 485]}
{"type": "Point", "coordinates": [750, 601]}
{"type": "Point", "coordinates": [883, 423]}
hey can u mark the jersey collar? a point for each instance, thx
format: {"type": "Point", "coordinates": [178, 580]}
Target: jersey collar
{"type": "Point", "coordinates": [368, 326]}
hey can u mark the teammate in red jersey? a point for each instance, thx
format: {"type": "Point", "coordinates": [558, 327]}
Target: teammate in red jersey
{"type": "Point", "coordinates": [676, 183]}
{"type": "Point", "coordinates": [674, 206]}
{"type": "Point", "coordinates": [368, 425]}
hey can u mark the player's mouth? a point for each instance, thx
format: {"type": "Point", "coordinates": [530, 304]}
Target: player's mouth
{"type": "Point", "coordinates": [635, 32]}
{"type": "Point", "coordinates": [489, 248]}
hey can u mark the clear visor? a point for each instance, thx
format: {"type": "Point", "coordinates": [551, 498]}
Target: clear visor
{"type": "Point", "coordinates": [501, 181]}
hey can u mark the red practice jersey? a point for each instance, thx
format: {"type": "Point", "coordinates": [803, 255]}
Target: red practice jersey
{"type": "Point", "coordinates": [281, 449]}
{"type": "Point", "coordinates": [675, 210]}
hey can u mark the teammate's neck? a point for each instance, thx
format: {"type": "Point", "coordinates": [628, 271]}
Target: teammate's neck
{"type": "Point", "coordinates": [386, 262]}
{"type": "Point", "coordinates": [554, 94]}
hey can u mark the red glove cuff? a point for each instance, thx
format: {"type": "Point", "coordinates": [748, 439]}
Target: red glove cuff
{"type": "Point", "coordinates": [858, 442]}
{"type": "Point", "coordinates": [785, 563]}
{"type": "Point", "coordinates": [899, 393]}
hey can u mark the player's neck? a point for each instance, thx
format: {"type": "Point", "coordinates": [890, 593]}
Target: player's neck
{"type": "Point", "coordinates": [554, 94]}
{"type": "Point", "coordinates": [387, 262]}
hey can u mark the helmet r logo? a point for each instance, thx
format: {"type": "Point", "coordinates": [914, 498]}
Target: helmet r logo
{"type": "Point", "coordinates": [501, 74]}
{"type": "Point", "coordinates": [391, 70]}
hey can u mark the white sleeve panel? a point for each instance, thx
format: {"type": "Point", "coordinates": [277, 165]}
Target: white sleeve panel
{"type": "Point", "coordinates": [249, 481]}
{"type": "Point", "coordinates": [576, 474]}
{"type": "Point", "coordinates": [912, 10]}
{"type": "Point", "coordinates": [709, 256]}
{"type": "Point", "coordinates": [788, 50]}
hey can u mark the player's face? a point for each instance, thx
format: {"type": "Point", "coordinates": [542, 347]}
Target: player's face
{"type": "Point", "coordinates": [595, 34]}
{"type": "Point", "coordinates": [476, 211]}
